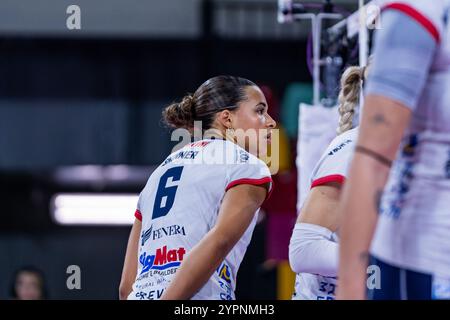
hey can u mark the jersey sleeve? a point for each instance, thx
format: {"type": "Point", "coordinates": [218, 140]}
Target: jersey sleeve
{"type": "Point", "coordinates": [248, 170]}
{"type": "Point", "coordinates": [137, 213]}
{"type": "Point", "coordinates": [410, 37]}
{"type": "Point", "coordinates": [430, 16]}
{"type": "Point", "coordinates": [334, 164]}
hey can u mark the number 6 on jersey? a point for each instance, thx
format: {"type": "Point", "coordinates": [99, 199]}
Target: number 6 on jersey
{"type": "Point", "coordinates": [165, 196]}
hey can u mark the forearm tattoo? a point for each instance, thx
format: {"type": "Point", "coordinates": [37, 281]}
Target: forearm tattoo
{"type": "Point", "coordinates": [379, 118]}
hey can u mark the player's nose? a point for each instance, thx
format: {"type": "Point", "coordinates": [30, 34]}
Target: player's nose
{"type": "Point", "coordinates": [270, 122]}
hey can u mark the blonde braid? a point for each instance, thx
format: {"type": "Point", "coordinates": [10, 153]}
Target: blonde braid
{"type": "Point", "coordinates": [349, 97]}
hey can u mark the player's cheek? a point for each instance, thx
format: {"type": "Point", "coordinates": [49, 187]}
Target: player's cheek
{"type": "Point", "coordinates": [262, 121]}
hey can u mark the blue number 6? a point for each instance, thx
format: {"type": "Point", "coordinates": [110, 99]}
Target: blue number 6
{"type": "Point", "coordinates": [160, 209]}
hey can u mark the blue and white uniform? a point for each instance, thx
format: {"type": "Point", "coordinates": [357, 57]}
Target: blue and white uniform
{"type": "Point", "coordinates": [332, 167]}
{"type": "Point", "coordinates": [412, 66]}
{"type": "Point", "coordinates": [178, 207]}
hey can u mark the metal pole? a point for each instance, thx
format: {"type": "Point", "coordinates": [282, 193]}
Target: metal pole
{"type": "Point", "coordinates": [317, 59]}
{"type": "Point", "coordinates": [363, 50]}
{"type": "Point", "coordinates": [316, 53]}
{"type": "Point", "coordinates": [316, 27]}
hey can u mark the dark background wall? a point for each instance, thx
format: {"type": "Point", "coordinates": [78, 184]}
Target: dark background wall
{"type": "Point", "coordinates": [98, 252]}
{"type": "Point", "coordinates": [100, 101]}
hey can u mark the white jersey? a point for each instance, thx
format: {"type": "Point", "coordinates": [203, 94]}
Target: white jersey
{"type": "Point", "coordinates": [180, 204]}
{"type": "Point", "coordinates": [332, 167]}
{"type": "Point", "coordinates": [413, 229]}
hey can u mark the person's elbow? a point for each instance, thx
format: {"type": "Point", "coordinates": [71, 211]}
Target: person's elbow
{"type": "Point", "coordinates": [296, 259]}
{"type": "Point", "coordinates": [124, 290]}
{"type": "Point", "coordinates": [311, 251]}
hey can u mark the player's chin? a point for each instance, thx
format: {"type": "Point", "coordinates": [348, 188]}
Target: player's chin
{"type": "Point", "coordinates": [266, 138]}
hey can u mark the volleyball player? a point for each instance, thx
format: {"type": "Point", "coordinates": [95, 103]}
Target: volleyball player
{"type": "Point", "coordinates": [313, 250]}
{"type": "Point", "coordinates": [395, 203]}
{"type": "Point", "coordinates": [196, 215]}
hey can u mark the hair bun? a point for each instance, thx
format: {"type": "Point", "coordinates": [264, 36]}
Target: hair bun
{"type": "Point", "coordinates": [180, 115]}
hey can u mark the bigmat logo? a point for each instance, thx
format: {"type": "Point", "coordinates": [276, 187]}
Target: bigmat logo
{"type": "Point", "coordinates": [162, 260]}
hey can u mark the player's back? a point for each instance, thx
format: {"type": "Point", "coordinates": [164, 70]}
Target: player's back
{"type": "Point", "coordinates": [331, 168]}
{"type": "Point", "coordinates": [180, 204]}
{"type": "Point", "coordinates": [183, 190]}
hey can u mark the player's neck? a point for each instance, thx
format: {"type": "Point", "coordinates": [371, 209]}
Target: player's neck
{"type": "Point", "coordinates": [215, 135]}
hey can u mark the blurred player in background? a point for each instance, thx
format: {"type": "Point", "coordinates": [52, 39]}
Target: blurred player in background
{"type": "Point", "coordinates": [196, 215]}
{"type": "Point", "coordinates": [406, 117]}
{"type": "Point", "coordinates": [28, 284]}
{"type": "Point", "coordinates": [313, 250]}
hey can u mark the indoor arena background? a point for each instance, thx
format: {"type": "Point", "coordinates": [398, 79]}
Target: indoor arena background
{"type": "Point", "coordinates": [80, 112]}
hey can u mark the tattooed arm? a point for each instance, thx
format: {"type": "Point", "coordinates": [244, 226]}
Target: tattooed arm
{"type": "Point", "coordinates": [403, 55]}
{"type": "Point", "coordinates": [381, 130]}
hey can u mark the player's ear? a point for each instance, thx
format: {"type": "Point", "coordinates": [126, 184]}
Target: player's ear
{"type": "Point", "coordinates": [225, 118]}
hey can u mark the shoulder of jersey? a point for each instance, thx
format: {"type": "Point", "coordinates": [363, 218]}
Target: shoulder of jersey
{"type": "Point", "coordinates": [412, 7]}
{"type": "Point", "coordinates": [344, 141]}
{"type": "Point", "coordinates": [214, 152]}
{"type": "Point", "coordinates": [241, 155]}
{"type": "Point", "coordinates": [188, 152]}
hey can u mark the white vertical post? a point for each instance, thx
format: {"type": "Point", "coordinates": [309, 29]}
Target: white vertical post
{"type": "Point", "coordinates": [363, 35]}
{"type": "Point", "coordinates": [317, 58]}
{"type": "Point", "coordinates": [316, 61]}
{"type": "Point", "coordinates": [316, 53]}
{"type": "Point", "coordinates": [363, 49]}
